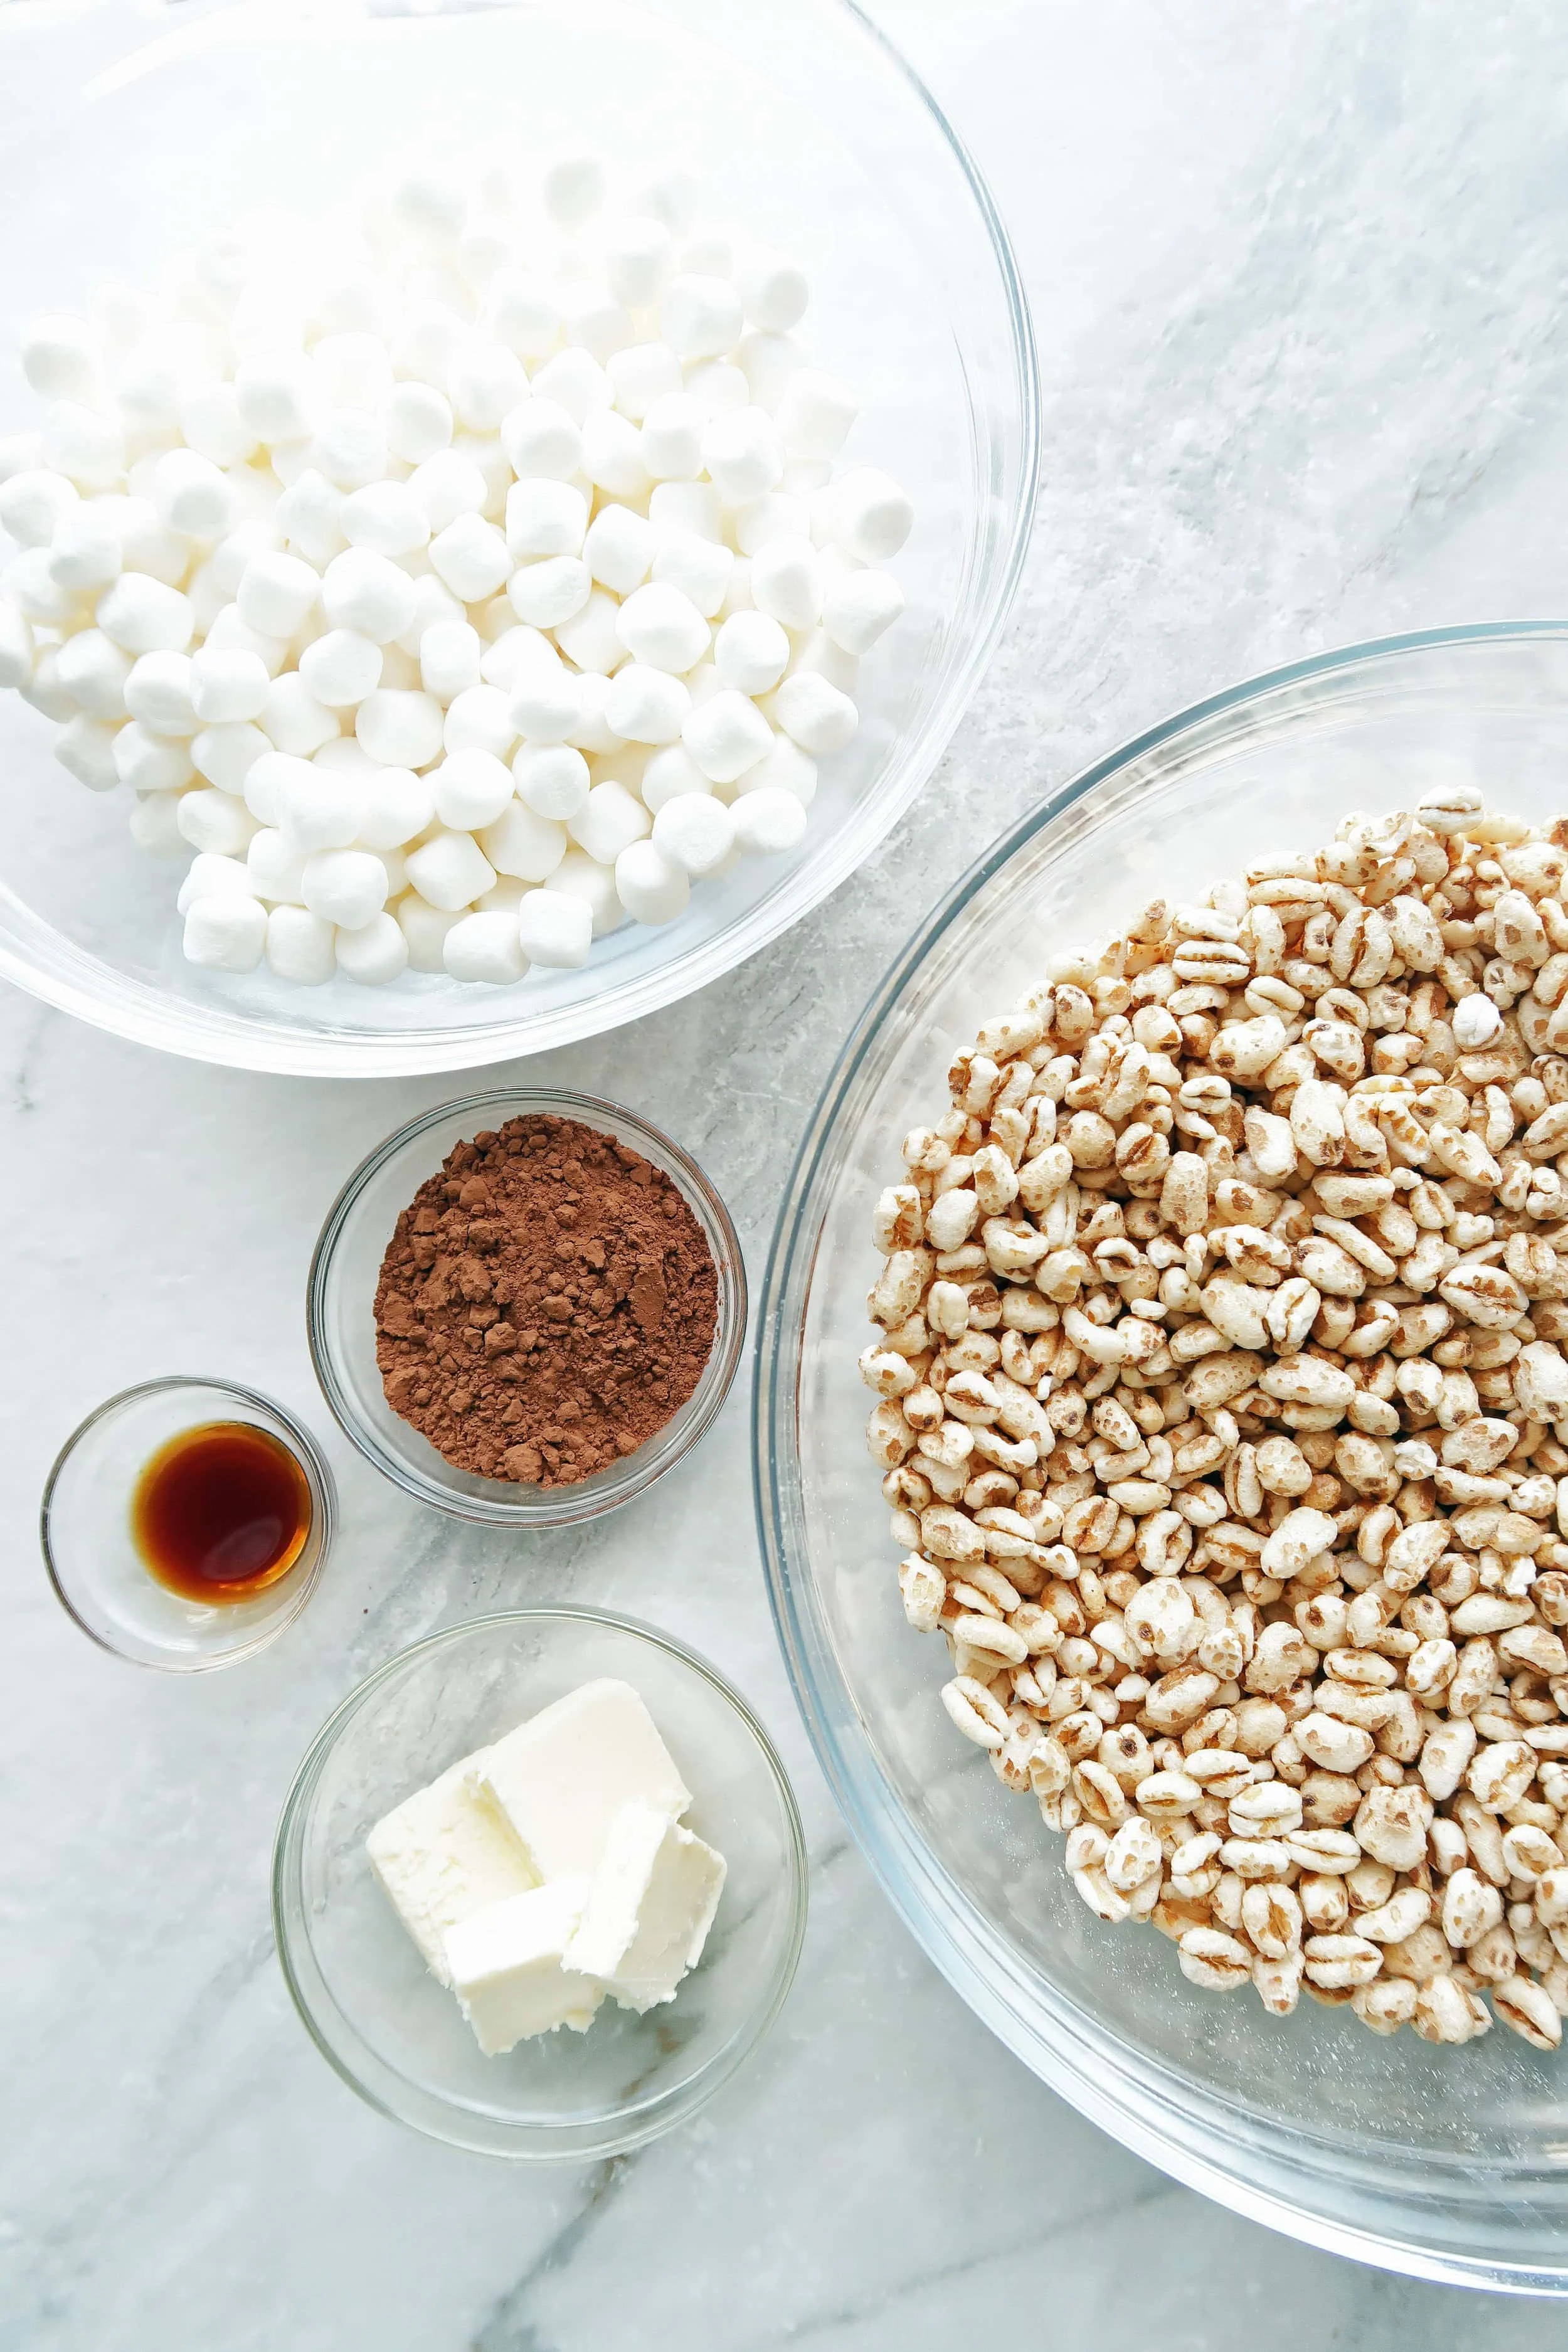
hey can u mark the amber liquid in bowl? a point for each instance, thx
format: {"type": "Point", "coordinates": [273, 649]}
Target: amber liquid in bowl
{"type": "Point", "coordinates": [220, 1511]}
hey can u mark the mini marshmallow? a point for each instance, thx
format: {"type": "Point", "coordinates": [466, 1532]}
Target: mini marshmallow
{"type": "Point", "coordinates": [479, 719]}
{"type": "Point", "coordinates": [572, 189]}
{"type": "Point", "coordinates": [153, 764]}
{"type": "Point", "coordinates": [29, 583]}
{"type": "Point", "coordinates": [485, 948]}
{"type": "Point", "coordinates": [384, 518]}
{"type": "Point", "coordinates": [486, 381]}
{"type": "Point", "coordinates": [659, 626]}
{"type": "Point", "coordinates": [619, 548]}
{"type": "Point", "coordinates": [471, 558]}
{"type": "Point", "coordinates": [344, 885]}
{"type": "Point", "coordinates": [814, 714]}
{"type": "Point", "coordinates": [211, 423]}
{"type": "Point", "coordinates": [547, 593]}
{"type": "Point", "coordinates": [545, 517]}
{"type": "Point", "coordinates": [33, 503]}
{"type": "Point", "coordinates": [872, 515]}
{"type": "Point", "coordinates": [815, 651]}
{"type": "Point", "coordinates": [726, 736]}
{"type": "Point", "coordinates": [693, 506]}
{"type": "Point", "coordinates": [785, 767]}
{"type": "Point", "coordinates": [18, 653]}
{"type": "Point", "coordinates": [699, 568]}
{"type": "Point", "coordinates": [449, 654]}
{"type": "Point", "coordinates": [276, 395]}
{"type": "Point", "coordinates": [669, 775]}
{"type": "Point", "coordinates": [230, 635]}
{"type": "Point", "coordinates": [425, 929]}
{"type": "Point", "coordinates": [294, 719]}
{"type": "Point", "coordinates": [524, 844]}
{"type": "Point", "coordinates": [350, 450]}
{"type": "Point", "coordinates": [227, 686]}
{"type": "Point", "coordinates": [85, 551]}
{"type": "Point", "coordinates": [521, 312]}
{"type": "Point", "coordinates": [553, 781]}
{"type": "Point", "coordinates": [366, 592]}
{"type": "Point", "coordinates": [774, 291]}
{"type": "Point", "coordinates": [158, 693]}
{"type": "Point", "coordinates": [642, 374]}
{"type": "Point", "coordinates": [786, 583]}
{"type": "Point", "coordinates": [341, 669]}
{"type": "Point", "coordinates": [215, 820]}
{"type": "Point", "coordinates": [741, 454]}
{"type": "Point", "coordinates": [277, 593]}
{"type": "Point", "coordinates": [449, 485]}
{"type": "Point", "coordinates": [144, 616]}
{"type": "Point", "coordinates": [646, 706]}
{"type": "Point", "coordinates": [417, 422]}
{"type": "Point", "coordinates": [542, 440]}
{"type": "Point", "coordinates": [582, 878]}
{"type": "Point", "coordinates": [575, 382]}
{"type": "Point", "coordinates": [62, 358]}
{"type": "Point", "coordinates": [401, 728]}
{"type": "Point", "coordinates": [751, 653]}
{"type": "Point", "coordinates": [670, 442]}
{"type": "Point", "coordinates": [589, 638]}
{"type": "Point", "coordinates": [717, 387]}
{"type": "Point", "coordinates": [225, 755]}
{"type": "Point", "coordinates": [627, 764]}
{"type": "Point", "coordinates": [769, 822]}
{"type": "Point", "coordinates": [776, 514]}
{"type": "Point", "coordinates": [226, 933]}
{"type": "Point", "coordinates": [429, 338]}
{"type": "Point", "coordinates": [398, 806]}
{"type": "Point", "coordinates": [85, 749]}
{"type": "Point", "coordinates": [856, 610]}
{"type": "Point", "coordinates": [93, 670]}
{"type": "Point", "coordinates": [813, 415]}
{"type": "Point", "coordinates": [554, 930]}
{"type": "Point", "coordinates": [432, 604]}
{"type": "Point", "coordinates": [449, 870]}
{"type": "Point", "coordinates": [300, 946]}
{"type": "Point", "coordinates": [353, 369]}
{"type": "Point", "coordinates": [695, 832]}
{"type": "Point", "coordinates": [609, 821]}
{"type": "Point", "coordinates": [313, 808]}
{"type": "Point", "coordinates": [700, 316]}
{"type": "Point", "coordinates": [44, 691]}
{"type": "Point", "coordinates": [593, 321]}
{"type": "Point", "coordinates": [191, 496]}
{"type": "Point", "coordinates": [214, 876]}
{"type": "Point", "coordinates": [471, 789]}
{"type": "Point", "coordinates": [375, 953]}
{"type": "Point", "coordinates": [591, 730]}
{"type": "Point", "coordinates": [611, 455]}
{"type": "Point", "coordinates": [225, 567]}
{"type": "Point", "coordinates": [637, 254]}
{"type": "Point", "coordinates": [276, 871]}
{"type": "Point", "coordinates": [546, 702]}
{"type": "Point", "coordinates": [84, 446]}
{"type": "Point", "coordinates": [651, 888]}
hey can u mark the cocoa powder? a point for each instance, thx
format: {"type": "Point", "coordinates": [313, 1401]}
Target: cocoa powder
{"type": "Point", "coordinates": [546, 1303]}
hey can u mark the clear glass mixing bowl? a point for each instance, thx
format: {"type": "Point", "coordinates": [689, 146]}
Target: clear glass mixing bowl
{"type": "Point", "coordinates": [1447, 2164]}
{"type": "Point", "coordinates": [805, 128]}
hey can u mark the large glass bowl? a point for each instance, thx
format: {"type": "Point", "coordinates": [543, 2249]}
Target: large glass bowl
{"type": "Point", "coordinates": [1447, 2164]}
{"type": "Point", "coordinates": [807, 129]}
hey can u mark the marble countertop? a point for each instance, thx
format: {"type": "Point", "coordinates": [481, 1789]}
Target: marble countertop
{"type": "Point", "coordinates": [1297, 280]}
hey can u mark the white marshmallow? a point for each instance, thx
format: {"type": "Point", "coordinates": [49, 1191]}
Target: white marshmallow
{"type": "Point", "coordinates": [471, 558]}
{"type": "Point", "coordinates": [646, 706]}
{"type": "Point", "coordinates": [872, 515]}
{"type": "Point", "coordinates": [545, 517]}
{"type": "Point", "coordinates": [547, 592]}
{"type": "Point", "coordinates": [355, 370]}
{"type": "Point", "coordinates": [85, 749]}
{"type": "Point", "coordinates": [694, 506]}
{"type": "Point", "coordinates": [230, 635]}
{"type": "Point", "coordinates": [669, 775]}
{"type": "Point", "coordinates": [856, 610]}
{"type": "Point", "coordinates": [593, 320]}
{"type": "Point", "coordinates": [524, 844]}
{"type": "Point", "coordinates": [589, 638]}
{"type": "Point", "coordinates": [778, 514]}
{"type": "Point", "coordinates": [774, 291]}
{"type": "Point", "coordinates": [398, 806]}
{"type": "Point", "coordinates": [85, 551]}
{"type": "Point", "coordinates": [542, 440]}
{"type": "Point", "coordinates": [670, 442]}
{"type": "Point", "coordinates": [785, 767]}
{"type": "Point", "coordinates": [611, 455]}
{"type": "Point", "coordinates": [627, 764]}
{"type": "Point", "coordinates": [227, 686]}
{"type": "Point", "coordinates": [450, 870]}
{"type": "Point", "coordinates": [313, 808]}
{"type": "Point", "coordinates": [350, 450]}
{"type": "Point", "coordinates": [142, 534]}
{"type": "Point", "coordinates": [429, 338]}
{"type": "Point", "coordinates": [816, 651]}
{"type": "Point", "coordinates": [592, 731]}
{"type": "Point", "coordinates": [447, 486]}
{"type": "Point", "coordinates": [278, 396]}
{"type": "Point", "coordinates": [815, 414]}
{"type": "Point", "coordinates": [93, 672]}
{"type": "Point", "coordinates": [62, 358]}
{"type": "Point", "coordinates": [786, 583]}
{"type": "Point", "coordinates": [226, 755]}
{"type": "Point", "coordinates": [275, 870]}
{"type": "Point", "coordinates": [449, 654]}
{"type": "Point", "coordinates": [769, 822]}
{"type": "Point", "coordinates": [277, 593]}
{"type": "Point", "coordinates": [432, 604]}
{"type": "Point", "coordinates": [575, 382]}
{"type": "Point", "coordinates": [211, 423]}
{"type": "Point", "coordinates": [375, 953]}
{"type": "Point", "coordinates": [226, 933]}
{"type": "Point", "coordinates": [300, 946]}
{"type": "Point", "coordinates": [637, 254]}
{"type": "Point", "coordinates": [619, 548]}
{"type": "Point", "coordinates": [341, 669]}
{"type": "Point", "coordinates": [609, 821]}
{"type": "Point", "coordinates": [344, 885]}
{"type": "Point", "coordinates": [293, 718]}
{"type": "Point", "coordinates": [726, 736]}
{"type": "Point", "coordinates": [215, 820]}
{"type": "Point", "coordinates": [486, 381]}
{"type": "Point", "coordinates": [554, 929]}
{"type": "Point", "coordinates": [695, 832]}
{"type": "Point", "coordinates": [33, 503]}
{"type": "Point", "coordinates": [18, 653]}
{"type": "Point", "coordinates": [153, 764]}
{"type": "Point", "coordinates": [191, 496]}
{"type": "Point", "coordinates": [659, 626]}
{"type": "Point", "coordinates": [144, 616]}
{"type": "Point", "coordinates": [700, 315]}
{"type": "Point", "coordinates": [582, 878]}
{"type": "Point", "coordinates": [650, 885]}
{"type": "Point", "coordinates": [367, 593]}
{"type": "Point", "coordinates": [740, 451]}
{"type": "Point", "coordinates": [553, 781]}
{"type": "Point", "coordinates": [546, 702]}
{"type": "Point", "coordinates": [417, 422]}
{"type": "Point", "coordinates": [84, 445]}
{"type": "Point", "coordinates": [472, 788]}
{"type": "Point", "coordinates": [29, 583]}
{"type": "Point", "coordinates": [718, 387]}
{"type": "Point", "coordinates": [642, 374]}
{"type": "Point", "coordinates": [400, 728]}
{"type": "Point", "coordinates": [266, 783]}
{"type": "Point", "coordinates": [814, 714]}
{"type": "Point", "coordinates": [479, 719]}
{"type": "Point", "coordinates": [383, 517]}
{"type": "Point", "coordinates": [485, 948]}
{"type": "Point", "coordinates": [213, 877]}
{"type": "Point", "coordinates": [699, 568]}
{"type": "Point", "coordinates": [751, 653]}
{"type": "Point", "coordinates": [521, 312]}
{"type": "Point", "coordinates": [572, 189]}
{"type": "Point", "coordinates": [425, 929]}
{"type": "Point", "coordinates": [158, 693]}
{"type": "Point", "coordinates": [44, 690]}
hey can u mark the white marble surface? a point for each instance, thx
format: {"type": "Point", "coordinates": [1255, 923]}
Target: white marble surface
{"type": "Point", "coordinates": [1298, 277]}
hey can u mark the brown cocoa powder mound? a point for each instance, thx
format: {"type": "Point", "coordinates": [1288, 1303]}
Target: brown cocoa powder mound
{"type": "Point", "coordinates": [546, 1303]}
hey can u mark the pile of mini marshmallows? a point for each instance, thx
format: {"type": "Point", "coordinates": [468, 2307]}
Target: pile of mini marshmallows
{"type": "Point", "coordinates": [455, 580]}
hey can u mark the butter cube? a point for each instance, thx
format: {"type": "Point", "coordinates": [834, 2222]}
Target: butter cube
{"type": "Point", "coordinates": [649, 1907]}
{"type": "Point", "coordinates": [444, 1855]}
{"type": "Point", "coordinates": [506, 1967]}
{"type": "Point", "coordinates": [561, 1778]}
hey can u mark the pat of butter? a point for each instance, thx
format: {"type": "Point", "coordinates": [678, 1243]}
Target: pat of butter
{"type": "Point", "coordinates": [505, 1965]}
{"type": "Point", "coordinates": [561, 1778]}
{"type": "Point", "coordinates": [649, 1907]}
{"type": "Point", "coordinates": [445, 1854]}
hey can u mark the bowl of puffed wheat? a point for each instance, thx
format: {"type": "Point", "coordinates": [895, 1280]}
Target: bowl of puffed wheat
{"type": "Point", "coordinates": [1163, 1447]}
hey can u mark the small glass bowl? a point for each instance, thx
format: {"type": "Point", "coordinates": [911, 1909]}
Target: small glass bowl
{"type": "Point", "coordinates": [341, 1322]}
{"type": "Point", "coordinates": [382, 2021]}
{"type": "Point", "coordinates": [102, 1578]}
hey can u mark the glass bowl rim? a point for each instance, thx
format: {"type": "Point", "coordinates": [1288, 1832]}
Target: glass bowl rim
{"type": "Point", "coordinates": [717, 1375]}
{"type": "Point", "coordinates": [640, 2120]}
{"type": "Point", "coordinates": [318, 1477]}
{"type": "Point", "coordinates": [1140, 2106]}
{"type": "Point", "coordinates": [76, 980]}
